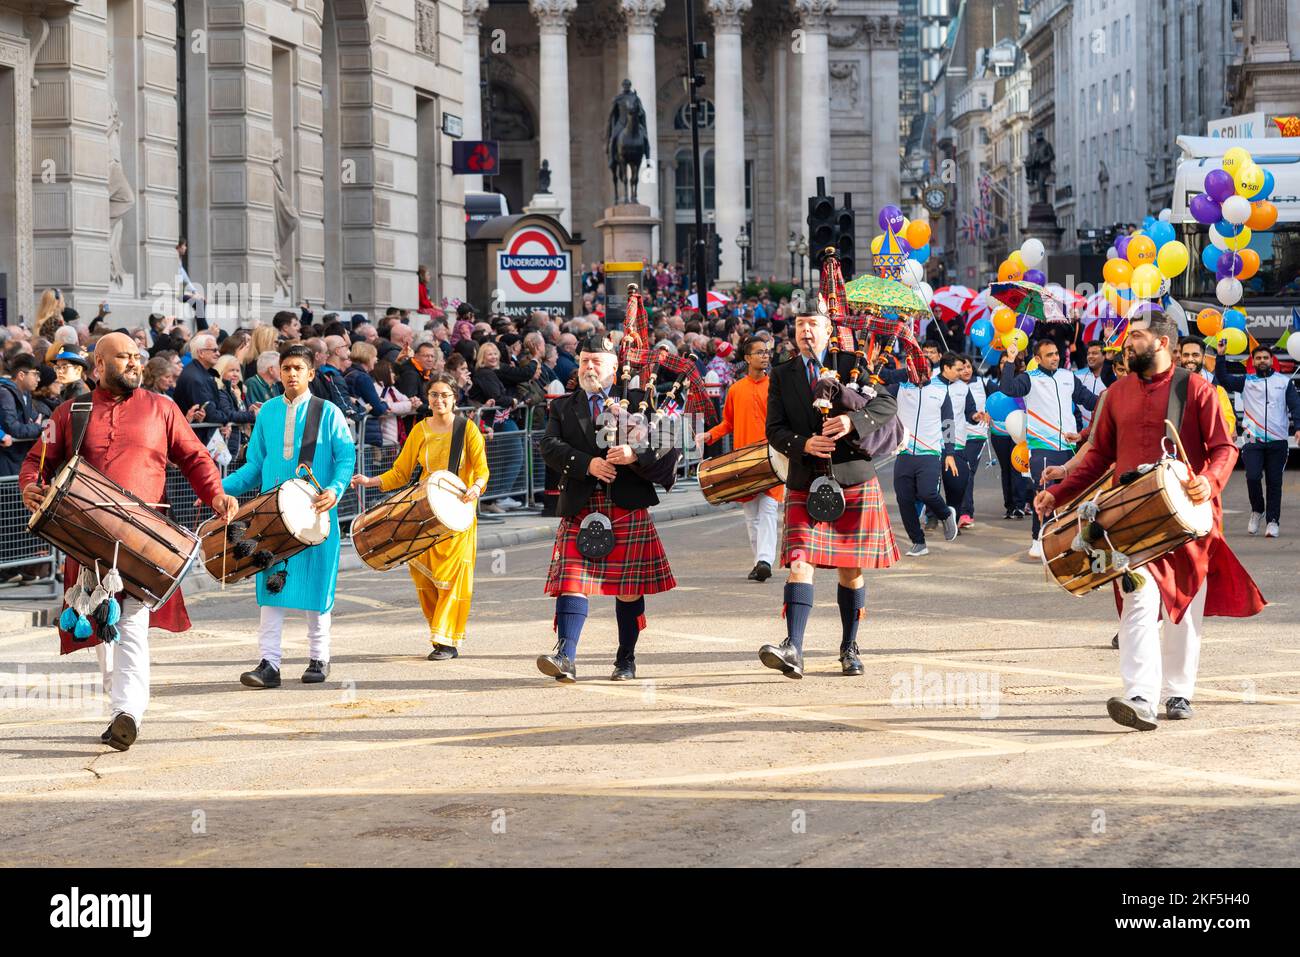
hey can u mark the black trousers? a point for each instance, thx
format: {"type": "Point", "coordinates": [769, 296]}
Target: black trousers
{"type": "Point", "coordinates": [916, 479]}
{"type": "Point", "coordinates": [1265, 467]}
{"type": "Point", "coordinates": [1017, 492]}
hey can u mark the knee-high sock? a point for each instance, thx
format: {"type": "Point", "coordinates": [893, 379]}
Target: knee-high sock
{"type": "Point", "coordinates": [851, 601]}
{"type": "Point", "coordinates": [628, 614]}
{"type": "Point", "coordinates": [798, 606]}
{"type": "Point", "coordinates": [570, 616]}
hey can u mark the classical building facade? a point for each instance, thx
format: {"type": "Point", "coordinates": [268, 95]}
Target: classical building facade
{"type": "Point", "coordinates": [297, 144]}
{"type": "Point", "coordinates": [795, 89]}
{"type": "Point", "coordinates": [1266, 77]}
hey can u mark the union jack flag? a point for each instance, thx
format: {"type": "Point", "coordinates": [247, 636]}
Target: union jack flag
{"type": "Point", "coordinates": [670, 406]}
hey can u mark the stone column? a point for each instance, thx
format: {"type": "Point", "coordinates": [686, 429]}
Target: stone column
{"type": "Point", "coordinates": [553, 137]}
{"type": "Point", "coordinates": [641, 16]}
{"type": "Point", "coordinates": [309, 163]}
{"type": "Point", "coordinates": [729, 134]}
{"type": "Point", "coordinates": [473, 96]}
{"type": "Point", "coordinates": [156, 179]}
{"type": "Point", "coordinates": [814, 94]}
{"type": "Point", "coordinates": [885, 33]}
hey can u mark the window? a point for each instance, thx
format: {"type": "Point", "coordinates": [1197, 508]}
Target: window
{"type": "Point", "coordinates": [684, 183]}
{"type": "Point", "coordinates": [706, 116]}
{"type": "Point", "coordinates": [1128, 86]}
{"type": "Point", "coordinates": [1128, 32]}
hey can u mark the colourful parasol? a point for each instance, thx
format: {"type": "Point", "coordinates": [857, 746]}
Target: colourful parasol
{"type": "Point", "coordinates": [885, 297]}
{"type": "Point", "coordinates": [1028, 299]}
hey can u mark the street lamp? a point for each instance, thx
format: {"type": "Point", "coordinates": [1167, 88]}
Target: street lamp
{"type": "Point", "coordinates": [792, 244]}
{"type": "Point", "coordinates": [742, 241]}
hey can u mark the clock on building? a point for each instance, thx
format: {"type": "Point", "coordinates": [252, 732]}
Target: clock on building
{"type": "Point", "coordinates": [935, 198]}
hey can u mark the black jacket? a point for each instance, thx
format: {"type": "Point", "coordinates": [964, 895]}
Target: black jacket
{"type": "Point", "coordinates": [18, 414]}
{"type": "Point", "coordinates": [569, 446]}
{"type": "Point", "coordinates": [792, 421]}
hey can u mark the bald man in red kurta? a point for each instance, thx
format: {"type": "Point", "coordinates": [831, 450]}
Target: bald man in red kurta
{"type": "Point", "coordinates": [1200, 578]}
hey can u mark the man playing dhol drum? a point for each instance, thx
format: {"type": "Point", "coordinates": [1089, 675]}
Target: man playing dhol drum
{"type": "Point", "coordinates": [1202, 577]}
{"type": "Point", "coordinates": [131, 436]}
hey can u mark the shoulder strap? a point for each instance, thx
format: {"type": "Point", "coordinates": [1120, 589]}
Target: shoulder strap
{"type": "Point", "coordinates": [79, 414]}
{"type": "Point", "coordinates": [457, 444]}
{"type": "Point", "coordinates": [1177, 396]}
{"type": "Point", "coordinates": [315, 409]}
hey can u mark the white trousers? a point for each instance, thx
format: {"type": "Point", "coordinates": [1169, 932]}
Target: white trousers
{"type": "Point", "coordinates": [124, 664]}
{"type": "Point", "coordinates": [1159, 661]}
{"type": "Point", "coordinates": [760, 521]}
{"type": "Point", "coordinates": [272, 624]}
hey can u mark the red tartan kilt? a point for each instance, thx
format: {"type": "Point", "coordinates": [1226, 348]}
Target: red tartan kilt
{"type": "Point", "coordinates": [636, 566]}
{"type": "Point", "coordinates": [860, 538]}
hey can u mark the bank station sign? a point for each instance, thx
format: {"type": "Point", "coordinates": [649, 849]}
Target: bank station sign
{"type": "Point", "coordinates": [533, 262]}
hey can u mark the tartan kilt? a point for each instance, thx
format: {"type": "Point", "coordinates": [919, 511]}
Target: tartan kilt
{"type": "Point", "coordinates": [636, 566]}
{"type": "Point", "coordinates": [860, 538]}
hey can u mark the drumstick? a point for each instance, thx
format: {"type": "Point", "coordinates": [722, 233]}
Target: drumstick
{"type": "Point", "coordinates": [1182, 452]}
{"type": "Point", "coordinates": [310, 475]}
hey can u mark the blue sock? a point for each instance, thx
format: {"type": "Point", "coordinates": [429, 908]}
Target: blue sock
{"type": "Point", "coordinates": [852, 600]}
{"type": "Point", "coordinates": [570, 616]}
{"type": "Point", "coordinates": [798, 606]}
{"type": "Point", "coordinates": [627, 613]}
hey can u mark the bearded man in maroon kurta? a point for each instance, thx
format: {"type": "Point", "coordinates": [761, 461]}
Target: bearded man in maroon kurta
{"type": "Point", "coordinates": [1200, 578]}
{"type": "Point", "coordinates": [132, 435]}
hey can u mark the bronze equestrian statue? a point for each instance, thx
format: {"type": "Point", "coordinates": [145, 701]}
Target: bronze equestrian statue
{"type": "Point", "coordinates": [629, 146]}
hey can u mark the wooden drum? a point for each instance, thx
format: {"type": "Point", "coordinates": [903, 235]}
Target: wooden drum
{"type": "Point", "coordinates": [410, 522]}
{"type": "Point", "coordinates": [740, 474]}
{"type": "Point", "coordinates": [265, 531]}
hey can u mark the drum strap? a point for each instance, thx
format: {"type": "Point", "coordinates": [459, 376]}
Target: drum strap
{"type": "Point", "coordinates": [1177, 396]}
{"type": "Point", "coordinates": [311, 428]}
{"type": "Point", "coordinates": [457, 444]}
{"type": "Point", "coordinates": [80, 416]}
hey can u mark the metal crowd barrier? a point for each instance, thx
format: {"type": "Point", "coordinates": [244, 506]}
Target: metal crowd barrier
{"type": "Point", "coordinates": [20, 551]}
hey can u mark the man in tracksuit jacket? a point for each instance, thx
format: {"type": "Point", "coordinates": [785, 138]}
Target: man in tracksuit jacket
{"type": "Point", "coordinates": [926, 412]}
{"type": "Point", "coordinates": [1271, 405]}
{"type": "Point", "coordinates": [1051, 395]}
{"type": "Point", "coordinates": [964, 413]}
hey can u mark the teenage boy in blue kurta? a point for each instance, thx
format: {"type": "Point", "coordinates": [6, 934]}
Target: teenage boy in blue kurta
{"type": "Point", "coordinates": [308, 578]}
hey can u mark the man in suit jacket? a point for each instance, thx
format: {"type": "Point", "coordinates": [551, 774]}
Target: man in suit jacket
{"type": "Point", "coordinates": [597, 476]}
{"type": "Point", "coordinates": [818, 445]}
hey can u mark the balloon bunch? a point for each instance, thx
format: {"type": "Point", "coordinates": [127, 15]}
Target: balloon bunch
{"type": "Point", "coordinates": [1023, 264]}
{"type": "Point", "coordinates": [1224, 331]}
{"type": "Point", "coordinates": [1140, 266]}
{"type": "Point", "coordinates": [1235, 206]}
{"type": "Point", "coordinates": [902, 249]}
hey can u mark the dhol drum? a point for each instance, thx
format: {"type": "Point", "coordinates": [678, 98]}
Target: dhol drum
{"type": "Point", "coordinates": [265, 531]}
{"type": "Point", "coordinates": [747, 471]}
{"type": "Point", "coordinates": [408, 523]}
{"type": "Point", "coordinates": [1108, 531]}
{"type": "Point", "coordinates": [86, 515]}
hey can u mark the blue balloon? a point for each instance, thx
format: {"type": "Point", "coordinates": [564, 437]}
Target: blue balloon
{"type": "Point", "coordinates": [1234, 319]}
{"type": "Point", "coordinates": [921, 254]}
{"type": "Point", "coordinates": [1267, 189]}
{"type": "Point", "coordinates": [981, 333]}
{"type": "Point", "coordinates": [1226, 229]}
{"type": "Point", "coordinates": [999, 404]}
{"type": "Point", "coordinates": [1146, 223]}
{"type": "Point", "coordinates": [1161, 233]}
{"type": "Point", "coordinates": [1210, 257]}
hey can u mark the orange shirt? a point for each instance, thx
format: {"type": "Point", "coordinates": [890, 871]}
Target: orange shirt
{"type": "Point", "coordinates": [744, 415]}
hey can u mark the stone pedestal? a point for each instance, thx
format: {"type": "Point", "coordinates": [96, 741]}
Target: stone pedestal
{"type": "Point", "coordinates": [627, 233]}
{"type": "Point", "coordinates": [1042, 225]}
{"type": "Point", "coordinates": [545, 204]}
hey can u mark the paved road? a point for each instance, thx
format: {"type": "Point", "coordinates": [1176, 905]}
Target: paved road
{"type": "Point", "coordinates": [977, 735]}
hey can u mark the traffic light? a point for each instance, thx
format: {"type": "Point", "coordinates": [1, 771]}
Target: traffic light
{"type": "Point", "coordinates": [821, 224]}
{"type": "Point", "coordinates": [717, 253]}
{"type": "Point", "coordinates": [844, 236]}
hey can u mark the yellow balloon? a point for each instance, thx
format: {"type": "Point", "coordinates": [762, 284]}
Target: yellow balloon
{"type": "Point", "coordinates": [876, 243]}
{"type": "Point", "coordinates": [1033, 364]}
{"type": "Point", "coordinates": [1172, 259]}
{"type": "Point", "coordinates": [1232, 341]}
{"type": "Point", "coordinates": [1017, 338]}
{"type": "Point", "coordinates": [1239, 241]}
{"type": "Point", "coordinates": [1111, 294]}
{"type": "Point", "coordinates": [1235, 159]}
{"type": "Point", "coordinates": [1146, 281]}
{"type": "Point", "coordinates": [1017, 260]}
{"type": "Point", "coordinates": [1249, 180]}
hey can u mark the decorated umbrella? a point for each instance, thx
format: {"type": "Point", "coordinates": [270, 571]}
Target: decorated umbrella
{"type": "Point", "coordinates": [951, 301]}
{"type": "Point", "coordinates": [885, 297]}
{"type": "Point", "coordinates": [716, 300]}
{"type": "Point", "coordinates": [978, 309]}
{"type": "Point", "coordinates": [1028, 299]}
{"type": "Point", "coordinates": [1070, 300]}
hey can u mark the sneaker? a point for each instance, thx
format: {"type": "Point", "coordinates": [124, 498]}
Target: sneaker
{"type": "Point", "coordinates": [950, 525]}
{"type": "Point", "coordinates": [1134, 713]}
{"type": "Point", "coordinates": [1018, 513]}
{"type": "Point", "coordinates": [931, 523]}
{"type": "Point", "coordinates": [965, 522]}
{"type": "Point", "coordinates": [491, 508]}
{"type": "Point", "coordinates": [511, 504]}
{"type": "Point", "coordinates": [1256, 519]}
{"type": "Point", "coordinates": [1011, 513]}
{"type": "Point", "coordinates": [1036, 549]}
{"type": "Point", "coordinates": [918, 551]}
{"type": "Point", "coordinates": [1272, 530]}
{"type": "Point", "coordinates": [1178, 709]}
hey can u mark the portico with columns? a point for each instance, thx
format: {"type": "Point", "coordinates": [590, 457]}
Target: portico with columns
{"type": "Point", "coordinates": [550, 71]}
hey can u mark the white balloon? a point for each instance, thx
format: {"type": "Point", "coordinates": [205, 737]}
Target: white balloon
{"type": "Point", "coordinates": [1166, 215]}
{"type": "Point", "coordinates": [912, 273]}
{"type": "Point", "coordinates": [1293, 346]}
{"type": "Point", "coordinates": [1236, 209]}
{"type": "Point", "coordinates": [1016, 425]}
{"type": "Point", "coordinates": [926, 292]}
{"type": "Point", "coordinates": [1229, 291]}
{"type": "Point", "coordinates": [1216, 239]}
{"type": "Point", "coordinates": [1112, 253]}
{"type": "Point", "coordinates": [1176, 312]}
{"type": "Point", "coordinates": [1032, 252]}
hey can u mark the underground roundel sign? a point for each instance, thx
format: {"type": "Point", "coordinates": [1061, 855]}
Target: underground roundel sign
{"type": "Point", "coordinates": [534, 269]}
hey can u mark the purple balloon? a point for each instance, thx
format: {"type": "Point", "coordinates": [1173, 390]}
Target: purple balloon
{"type": "Point", "coordinates": [891, 218]}
{"type": "Point", "coordinates": [1035, 276]}
{"type": "Point", "coordinates": [904, 246]}
{"type": "Point", "coordinates": [1228, 266]}
{"type": "Point", "coordinates": [1219, 185]}
{"type": "Point", "coordinates": [1121, 246]}
{"type": "Point", "coordinates": [1205, 210]}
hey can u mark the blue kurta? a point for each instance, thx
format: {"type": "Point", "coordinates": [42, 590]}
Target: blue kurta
{"type": "Point", "coordinates": [313, 571]}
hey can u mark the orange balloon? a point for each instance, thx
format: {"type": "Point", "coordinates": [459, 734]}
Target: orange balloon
{"type": "Point", "coordinates": [1249, 263]}
{"type": "Point", "coordinates": [1263, 215]}
{"type": "Point", "coordinates": [1008, 272]}
{"type": "Point", "coordinates": [1117, 271]}
{"type": "Point", "coordinates": [1020, 458]}
{"type": "Point", "coordinates": [1004, 319]}
{"type": "Point", "coordinates": [1209, 321]}
{"type": "Point", "coordinates": [1017, 260]}
{"type": "Point", "coordinates": [917, 234]}
{"type": "Point", "coordinates": [1141, 249]}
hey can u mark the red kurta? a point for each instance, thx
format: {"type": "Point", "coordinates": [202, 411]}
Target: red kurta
{"type": "Point", "coordinates": [131, 441]}
{"type": "Point", "coordinates": [1127, 432]}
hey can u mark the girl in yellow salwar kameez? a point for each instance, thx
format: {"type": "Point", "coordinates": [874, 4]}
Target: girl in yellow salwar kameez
{"type": "Point", "coordinates": [443, 575]}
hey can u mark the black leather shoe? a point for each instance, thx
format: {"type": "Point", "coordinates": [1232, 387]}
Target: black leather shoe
{"type": "Point", "coordinates": [122, 732]}
{"type": "Point", "coordinates": [849, 661]}
{"type": "Point", "coordinates": [443, 653]}
{"type": "Point", "coordinates": [784, 658]}
{"type": "Point", "coordinates": [762, 572]}
{"type": "Point", "coordinates": [317, 671]}
{"type": "Point", "coordinates": [1132, 713]}
{"type": "Point", "coordinates": [1114, 641]}
{"type": "Point", "coordinates": [265, 675]}
{"type": "Point", "coordinates": [103, 738]}
{"type": "Point", "coordinates": [624, 670]}
{"type": "Point", "coordinates": [558, 666]}
{"type": "Point", "coordinates": [1009, 515]}
{"type": "Point", "coordinates": [1178, 709]}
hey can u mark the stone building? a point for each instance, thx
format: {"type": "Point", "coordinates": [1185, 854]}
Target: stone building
{"type": "Point", "coordinates": [297, 144]}
{"type": "Point", "coordinates": [1266, 78]}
